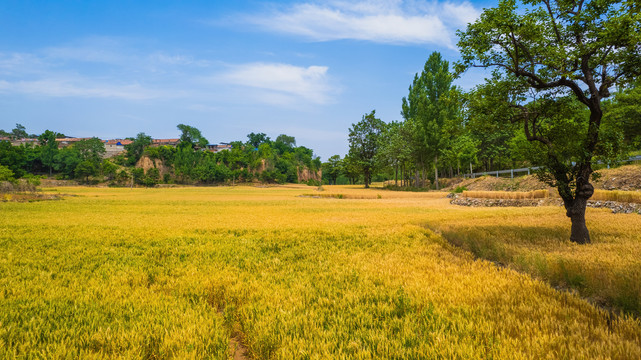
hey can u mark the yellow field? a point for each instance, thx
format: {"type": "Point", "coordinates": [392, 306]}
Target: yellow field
{"type": "Point", "coordinates": [176, 273]}
{"type": "Point", "coordinates": [617, 195]}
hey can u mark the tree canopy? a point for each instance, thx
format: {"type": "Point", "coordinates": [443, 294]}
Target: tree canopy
{"type": "Point", "coordinates": [191, 136]}
{"type": "Point", "coordinates": [431, 106]}
{"type": "Point", "coordinates": [364, 143]}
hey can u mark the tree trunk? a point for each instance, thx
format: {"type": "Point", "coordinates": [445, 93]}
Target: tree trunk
{"type": "Point", "coordinates": [436, 171]}
{"type": "Point", "coordinates": [576, 212]}
{"type": "Point", "coordinates": [366, 175]}
{"type": "Point", "coordinates": [579, 233]}
{"type": "Point", "coordinates": [396, 175]}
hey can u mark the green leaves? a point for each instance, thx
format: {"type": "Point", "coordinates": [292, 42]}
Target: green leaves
{"type": "Point", "coordinates": [191, 136]}
{"type": "Point", "coordinates": [364, 144]}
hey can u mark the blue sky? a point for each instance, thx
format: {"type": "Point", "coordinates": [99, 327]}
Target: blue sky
{"type": "Point", "coordinates": [308, 69]}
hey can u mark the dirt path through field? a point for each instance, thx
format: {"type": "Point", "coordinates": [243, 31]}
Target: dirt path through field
{"type": "Point", "coordinates": [239, 350]}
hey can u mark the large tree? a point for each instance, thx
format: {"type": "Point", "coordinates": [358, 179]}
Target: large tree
{"type": "Point", "coordinates": [256, 139]}
{"type": "Point", "coordinates": [190, 136]}
{"type": "Point", "coordinates": [364, 144]}
{"type": "Point", "coordinates": [393, 147]}
{"type": "Point", "coordinates": [547, 50]}
{"type": "Point", "coordinates": [432, 104]}
{"type": "Point", "coordinates": [49, 148]}
{"type": "Point", "coordinates": [332, 168]}
{"type": "Point", "coordinates": [19, 132]}
{"type": "Point", "coordinates": [92, 150]}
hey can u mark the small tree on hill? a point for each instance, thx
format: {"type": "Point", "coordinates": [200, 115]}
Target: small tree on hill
{"type": "Point", "coordinates": [137, 147]}
{"type": "Point", "coordinates": [191, 136]}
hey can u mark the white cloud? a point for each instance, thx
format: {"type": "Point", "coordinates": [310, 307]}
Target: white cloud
{"type": "Point", "coordinates": [78, 87]}
{"type": "Point", "coordinates": [87, 69]}
{"type": "Point", "coordinates": [461, 14]}
{"type": "Point", "coordinates": [98, 68]}
{"type": "Point", "coordinates": [282, 83]}
{"type": "Point", "coordinates": [391, 21]}
{"type": "Point", "coordinates": [21, 64]}
{"type": "Point", "coordinates": [94, 49]}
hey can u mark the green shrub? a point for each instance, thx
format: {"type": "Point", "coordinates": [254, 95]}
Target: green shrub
{"type": "Point", "coordinates": [460, 189]}
{"type": "Point", "coordinates": [313, 182]}
{"type": "Point", "coordinates": [6, 174]}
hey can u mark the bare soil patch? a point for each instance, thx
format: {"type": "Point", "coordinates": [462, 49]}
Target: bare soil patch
{"type": "Point", "coordinates": [627, 178]}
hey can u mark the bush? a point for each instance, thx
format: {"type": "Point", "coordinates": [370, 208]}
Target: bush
{"type": "Point", "coordinates": [313, 182]}
{"type": "Point", "coordinates": [460, 189]}
{"type": "Point", "coordinates": [138, 175]}
{"type": "Point", "coordinates": [6, 187]}
{"type": "Point", "coordinates": [122, 177]}
{"type": "Point", "coordinates": [108, 169]}
{"type": "Point", "coordinates": [33, 180]}
{"type": "Point", "coordinates": [268, 176]}
{"type": "Point", "coordinates": [6, 174]}
{"type": "Point", "coordinates": [152, 177]}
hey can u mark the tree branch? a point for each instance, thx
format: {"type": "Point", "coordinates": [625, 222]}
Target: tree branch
{"type": "Point", "coordinates": [556, 29]}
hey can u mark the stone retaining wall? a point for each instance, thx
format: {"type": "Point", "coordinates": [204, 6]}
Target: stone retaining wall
{"type": "Point", "coordinates": [616, 207]}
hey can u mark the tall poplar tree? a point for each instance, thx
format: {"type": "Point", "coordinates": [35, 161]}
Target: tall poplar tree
{"type": "Point", "coordinates": [430, 104]}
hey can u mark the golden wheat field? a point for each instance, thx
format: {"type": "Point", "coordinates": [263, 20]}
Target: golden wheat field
{"type": "Point", "coordinates": [180, 272]}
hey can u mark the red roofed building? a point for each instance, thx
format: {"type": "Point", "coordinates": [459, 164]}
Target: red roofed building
{"type": "Point", "coordinates": [115, 146]}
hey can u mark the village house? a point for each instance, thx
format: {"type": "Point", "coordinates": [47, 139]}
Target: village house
{"type": "Point", "coordinates": [218, 147]}
{"type": "Point", "coordinates": [161, 142]}
{"type": "Point", "coordinates": [18, 142]}
{"type": "Point", "coordinates": [64, 142]}
{"type": "Point", "coordinates": [115, 147]}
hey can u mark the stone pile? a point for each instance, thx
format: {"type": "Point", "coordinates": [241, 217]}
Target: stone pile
{"type": "Point", "coordinates": [616, 207]}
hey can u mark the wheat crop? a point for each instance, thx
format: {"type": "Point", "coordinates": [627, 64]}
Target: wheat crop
{"type": "Point", "coordinates": [174, 273]}
{"type": "Point", "coordinates": [617, 195]}
{"type": "Point", "coordinates": [512, 195]}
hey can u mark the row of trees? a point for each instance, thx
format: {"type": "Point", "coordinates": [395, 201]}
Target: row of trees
{"type": "Point", "coordinates": [259, 158]}
{"type": "Point", "coordinates": [82, 160]}
{"type": "Point", "coordinates": [446, 131]}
